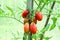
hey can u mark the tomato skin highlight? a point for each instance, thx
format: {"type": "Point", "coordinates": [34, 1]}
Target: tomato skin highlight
{"type": "Point", "coordinates": [33, 28]}
{"type": "Point", "coordinates": [25, 13]}
{"type": "Point", "coordinates": [26, 28]}
{"type": "Point", "coordinates": [39, 16]}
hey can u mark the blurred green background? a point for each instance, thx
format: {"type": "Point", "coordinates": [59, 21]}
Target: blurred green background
{"type": "Point", "coordinates": [10, 27]}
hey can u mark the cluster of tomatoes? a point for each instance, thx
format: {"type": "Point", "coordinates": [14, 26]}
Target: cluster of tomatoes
{"type": "Point", "coordinates": [31, 27]}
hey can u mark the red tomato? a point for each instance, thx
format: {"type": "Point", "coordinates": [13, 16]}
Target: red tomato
{"type": "Point", "coordinates": [39, 16]}
{"type": "Point", "coordinates": [33, 28]}
{"type": "Point", "coordinates": [26, 28]}
{"type": "Point", "coordinates": [25, 13]}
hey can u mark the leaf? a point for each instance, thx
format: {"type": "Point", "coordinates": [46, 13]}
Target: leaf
{"type": "Point", "coordinates": [54, 19]}
{"type": "Point", "coordinates": [1, 11]}
{"type": "Point", "coordinates": [25, 2]}
{"type": "Point", "coordinates": [18, 33]}
{"type": "Point", "coordinates": [10, 9]}
{"type": "Point", "coordinates": [34, 36]}
{"type": "Point", "coordinates": [45, 29]}
{"type": "Point", "coordinates": [51, 0]}
{"type": "Point", "coordinates": [20, 8]}
{"type": "Point", "coordinates": [52, 27]}
{"type": "Point", "coordinates": [59, 27]}
{"type": "Point", "coordinates": [25, 36]}
{"type": "Point", "coordinates": [58, 1]}
{"type": "Point", "coordinates": [47, 38]}
{"type": "Point", "coordinates": [58, 15]}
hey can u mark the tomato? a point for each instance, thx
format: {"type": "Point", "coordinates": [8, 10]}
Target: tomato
{"type": "Point", "coordinates": [25, 13]}
{"type": "Point", "coordinates": [35, 20]}
{"type": "Point", "coordinates": [39, 16]}
{"type": "Point", "coordinates": [26, 28]}
{"type": "Point", "coordinates": [33, 28]}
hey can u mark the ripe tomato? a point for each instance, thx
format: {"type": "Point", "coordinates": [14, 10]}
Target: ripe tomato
{"type": "Point", "coordinates": [33, 28]}
{"type": "Point", "coordinates": [26, 28]}
{"type": "Point", "coordinates": [39, 16]}
{"type": "Point", "coordinates": [25, 13]}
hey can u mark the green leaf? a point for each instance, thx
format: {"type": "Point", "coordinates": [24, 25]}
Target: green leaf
{"type": "Point", "coordinates": [34, 36]}
{"type": "Point", "coordinates": [20, 8]}
{"type": "Point", "coordinates": [58, 15]}
{"type": "Point", "coordinates": [18, 33]}
{"type": "Point", "coordinates": [10, 9]}
{"type": "Point", "coordinates": [52, 26]}
{"type": "Point", "coordinates": [45, 29]}
{"type": "Point", "coordinates": [51, 0]}
{"type": "Point", "coordinates": [25, 2]}
{"type": "Point", "coordinates": [1, 11]}
{"type": "Point", "coordinates": [25, 36]}
{"type": "Point", "coordinates": [54, 19]}
{"type": "Point", "coordinates": [59, 27]}
{"type": "Point", "coordinates": [58, 1]}
{"type": "Point", "coordinates": [47, 38]}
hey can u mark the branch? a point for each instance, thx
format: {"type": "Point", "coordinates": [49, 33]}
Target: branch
{"type": "Point", "coordinates": [36, 2]}
{"type": "Point", "coordinates": [12, 18]}
{"type": "Point", "coordinates": [48, 17]}
{"type": "Point", "coordinates": [42, 7]}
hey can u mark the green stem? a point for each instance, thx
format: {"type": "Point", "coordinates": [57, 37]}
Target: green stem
{"type": "Point", "coordinates": [30, 8]}
{"type": "Point", "coordinates": [42, 7]}
{"type": "Point", "coordinates": [12, 18]}
{"type": "Point", "coordinates": [36, 2]}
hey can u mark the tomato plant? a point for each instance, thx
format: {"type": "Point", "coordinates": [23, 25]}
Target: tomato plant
{"type": "Point", "coordinates": [45, 11]}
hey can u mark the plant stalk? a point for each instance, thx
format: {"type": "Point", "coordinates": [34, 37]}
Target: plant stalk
{"type": "Point", "coordinates": [30, 8]}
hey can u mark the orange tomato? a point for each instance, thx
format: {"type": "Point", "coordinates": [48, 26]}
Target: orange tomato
{"type": "Point", "coordinates": [26, 28]}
